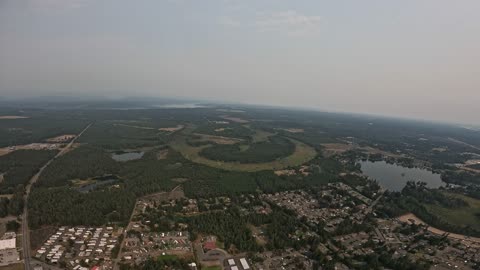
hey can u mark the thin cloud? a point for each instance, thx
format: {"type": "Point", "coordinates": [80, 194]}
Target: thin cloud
{"type": "Point", "coordinates": [228, 21]}
{"type": "Point", "coordinates": [290, 21]}
{"type": "Point", "coordinates": [57, 5]}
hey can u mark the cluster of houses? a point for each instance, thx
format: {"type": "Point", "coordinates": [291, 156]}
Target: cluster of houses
{"type": "Point", "coordinates": [328, 207]}
{"type": "Point", "coordinates": [288, 259]}
{"type": "Point", "coordinates": [139, 246]}
{"type": "Point", "coordinates": [76, 247]}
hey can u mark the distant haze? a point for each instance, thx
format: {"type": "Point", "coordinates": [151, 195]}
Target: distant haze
{"type": "Point", "coordinates": [409, 58]}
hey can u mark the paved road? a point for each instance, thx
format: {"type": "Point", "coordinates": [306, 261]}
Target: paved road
{"type": "Point", "coordinates": [25, 229]}
{"type": "Point", "coordinates": [129, 225]}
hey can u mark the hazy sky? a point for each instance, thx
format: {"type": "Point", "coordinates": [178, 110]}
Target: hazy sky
{"type": "Point", "coordinates": [413, 58]}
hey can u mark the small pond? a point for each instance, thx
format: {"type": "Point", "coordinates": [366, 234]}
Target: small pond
{"type": "Point", "coordinates": [394, 177]}
{"type": "Point", "coordinates": [127, 156]}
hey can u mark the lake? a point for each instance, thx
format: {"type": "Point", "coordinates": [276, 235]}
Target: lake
{"type": "Point", "coordinates": [180, 106]}
{"type": "Point", "coordinates": [394, 177]}
{"type": "Point", "coordinates": [127, 156]}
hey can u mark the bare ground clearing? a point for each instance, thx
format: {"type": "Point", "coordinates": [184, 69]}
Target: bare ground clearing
{"type": "Point", "coordinates": [217, 139]}
{"type": "Point", "coordinates": [411, 218]}
{"type": "Point", "coordinates": [234, 119]}
{"type": "Point", "coordinates": [61, 138]}
{"type": "Point", "coordinates": [294, 130]}
{"type": "Point", "coordinates": [162, 154]}
{"type": "Point", "coordinates": [172, 129]}
{"type": "Point", "coordinates": [331, 149]}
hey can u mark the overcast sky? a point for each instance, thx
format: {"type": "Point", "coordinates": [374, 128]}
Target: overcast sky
{"type": "Point", "coordinates": [410, 58]}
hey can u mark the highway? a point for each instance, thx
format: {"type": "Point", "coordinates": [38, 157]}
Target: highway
{"type": "Point", "coordinates": [25, 229]}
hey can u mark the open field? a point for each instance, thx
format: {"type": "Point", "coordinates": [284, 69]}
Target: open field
{"type": "Point", "coordinates": [172, 129]}
{"type": "Point", "coordinates": [18, 266]}
{"type": "Point", "coordinates": [331, 149]}
{"type": "Point", "coordinates": [293, 130]}
{"type": "Point", "coordinates": [461, 216]}
{"type": "Point", "coordinates": [303, 153]}
{"type": "Point", "coordinates": [411, 218]}
{"type": "Point", "coordinates": [32, 146]}
{"type": "Point", "coordinates": [235, 119]}
{"type": "Point", "coordinates": [162, 154]}
{"type": "Point", "coordinates": [261, 136]}
{"type": "Point", "coordinates": [5, 117]}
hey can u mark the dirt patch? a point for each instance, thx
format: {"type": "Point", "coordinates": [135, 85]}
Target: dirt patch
{"type": "Point", "coordinates": [4, 151]}
{"type": "Point", "coordinates": [234, 119]}
{"type": "Point", "coordinates": [411, 218]}
{"type": "Point", "coordinates": [217, 139]}
{"type": "Point", "coordinates": [32, 146]}
{"type": "Point", "coordinates": [61, 138]}
{"type": "Point", "coordinates": [219, 129]}
{"type": "Point", "coordinates": [175, 194]}
{"type": "Point", "coordinates": [258, 235]}
{"type": "Point", "coordinates": [5, 117]}
{"type": "Point", "coordinates": [331, 149]}
{"type": "Point", "coordinates": [285, 172]}
{"type": "Point", "coordinates": [17, 266]}
{"type": "Point", "coordinates": [294, 130]}
{"type": "Point", "coordinates": [1, 178]}
{"type": "Point", "coordinates": [179, 180]}
{"type": "Point", "coordinates": [162, 154]}
{"type": "Point", "coordinates": [304, 170]}
{"type": "Point", "coordinates": [172, 129]}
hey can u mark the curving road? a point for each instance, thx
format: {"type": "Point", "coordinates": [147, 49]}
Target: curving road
{"type": "Point", "coordinates": [25, 229]}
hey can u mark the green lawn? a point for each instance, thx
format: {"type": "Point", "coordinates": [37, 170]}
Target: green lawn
{"type": "Point", "coordinates": [464, 216]}
{"type": "Point", "coordinates": [212, 268]}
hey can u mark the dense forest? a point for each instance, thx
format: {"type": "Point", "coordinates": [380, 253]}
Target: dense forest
{"type": "Point", "coordinates": [68, 207]}
{"type": "Point", "coordinates": [226, 130]}
{"type": "Point", "coordinates": [276, 147]}
{"type": "Point", "coordinates": [229, 226]}
{"type": "Point", "coordinates": [39, 127]}
{"type": "Point", "coordinates": [19, 166]}
{"type": "Point", "coordinates": [81, 163]}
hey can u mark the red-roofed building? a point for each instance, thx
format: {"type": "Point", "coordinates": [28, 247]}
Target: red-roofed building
{"type": "Point", "coordinates": [209, 245]}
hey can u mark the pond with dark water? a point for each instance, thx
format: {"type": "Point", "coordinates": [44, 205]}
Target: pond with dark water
{"type": "Point", "coordinates": [394, 177]}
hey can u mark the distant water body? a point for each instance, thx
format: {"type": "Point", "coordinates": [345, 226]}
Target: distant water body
{"type": "Point", "coordinates": [127, 156]}
{"type": "Point", "coordinates": [180, 106]}
{"type": "Point", "coordinates": [394, 177]}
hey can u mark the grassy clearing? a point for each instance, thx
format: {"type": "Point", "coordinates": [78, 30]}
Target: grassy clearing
{"type": "Point", "coordinates": [302, 154]}
{"type": "Point", "coordinates": [211, 268]}
{"type": "Point", "coordinates": [18, 266]}
{"type": "Point", "coordinates": [463, 216]}
{"type": "Point", "coordinates": [216, 139]}
{"type": "Point", "coordinates": [261, 136]}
